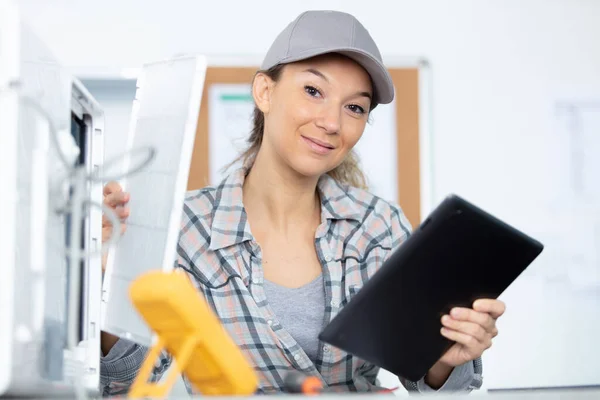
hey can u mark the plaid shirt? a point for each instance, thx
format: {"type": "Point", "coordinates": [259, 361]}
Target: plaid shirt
{"type": "Point", "coordinates": [358, 231]}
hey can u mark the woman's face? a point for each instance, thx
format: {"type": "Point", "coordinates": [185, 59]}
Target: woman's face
{"type": "Point", "coordinates": [315, 113]}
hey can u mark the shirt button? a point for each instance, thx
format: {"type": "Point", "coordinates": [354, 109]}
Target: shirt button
{"type": "Point", "coordinates": [328, 257]}
{"type": "Point", "coordinates": [325, 349]}
{"type": "Point", "coordinates": [297, 357]}
{"type": "Point", "coordinates": [270, 322]}
{"type": "Point", "coordinates": [334, 304]}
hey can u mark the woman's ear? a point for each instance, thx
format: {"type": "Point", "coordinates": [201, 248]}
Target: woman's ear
{"type": "Point", "coordinates": [261, 91]}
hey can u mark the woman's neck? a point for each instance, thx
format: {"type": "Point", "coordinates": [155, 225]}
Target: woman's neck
{"type": "Point", "coordinates": [280, 198]}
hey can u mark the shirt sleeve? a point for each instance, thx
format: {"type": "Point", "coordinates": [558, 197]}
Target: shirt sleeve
{"type": "Point", "coordinates": [463, 378]}
{"type": "Point", "coordinates": [120, 366]}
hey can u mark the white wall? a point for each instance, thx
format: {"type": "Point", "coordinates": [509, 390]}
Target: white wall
{"type": "Point", "coordinates": [496, 63]}
{"type": "Point", "coordinates": [498, 67]}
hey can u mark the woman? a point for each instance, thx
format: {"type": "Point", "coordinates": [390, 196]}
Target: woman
{"type": "Point", "coordinates": [286, 241]}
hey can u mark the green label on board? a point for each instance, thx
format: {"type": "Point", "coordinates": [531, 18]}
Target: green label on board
{"type": "Point", "coordinates": [237, 97]}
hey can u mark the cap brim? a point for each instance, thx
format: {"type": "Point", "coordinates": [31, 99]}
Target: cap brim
{"type": "Point", "coordinates": [382, 81]}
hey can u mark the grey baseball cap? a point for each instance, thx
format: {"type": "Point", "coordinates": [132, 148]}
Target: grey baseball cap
{"type": "Point", "coordinates": [319, 32]}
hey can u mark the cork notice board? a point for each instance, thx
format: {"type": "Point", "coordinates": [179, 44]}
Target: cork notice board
{"type": "Point", "coordinates": [406, 81]}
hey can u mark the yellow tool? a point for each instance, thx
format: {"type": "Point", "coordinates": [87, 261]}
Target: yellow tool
{"type": "Point", "coordinates": [188, 329]}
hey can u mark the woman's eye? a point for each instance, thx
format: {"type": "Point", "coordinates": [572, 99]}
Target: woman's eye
{"type": "Point", "coordinates": [312, 91]}
{"type": "Point", "coordinates": [356, 109]}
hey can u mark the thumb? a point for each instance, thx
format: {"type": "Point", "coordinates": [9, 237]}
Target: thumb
{"type": "Point", "coordinates": [112, 187]}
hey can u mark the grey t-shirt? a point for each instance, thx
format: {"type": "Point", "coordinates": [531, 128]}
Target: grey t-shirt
{"type": "Point", "coordinates": [300, 311]}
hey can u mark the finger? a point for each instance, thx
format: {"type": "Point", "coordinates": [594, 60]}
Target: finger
{"type": "Point", "coordinates": [121, 212]}
{"type": "Point", "coordinates": [105, 221]}
{"type": "Point", "coordinates": [491, 306]}
{"type": "Point", "coordinates": [107, 233]}
{"type": "Point", "coordinates": [467, 314]}
{"type": "Point", "coordinates": [469, 328]}
{"type": "Point", "coordinates": [115, 199]}
{"type": "Point", "coordinates": [472, 345]}
{"type": "Point", "coordinates": [112, 187]}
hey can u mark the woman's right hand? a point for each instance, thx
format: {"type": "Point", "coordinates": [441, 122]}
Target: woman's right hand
{"type": "Point", "coordinates": [116, 199]}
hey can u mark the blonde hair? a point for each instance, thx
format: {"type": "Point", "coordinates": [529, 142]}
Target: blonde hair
{"type": "Point", "coordinates": [347, 173]}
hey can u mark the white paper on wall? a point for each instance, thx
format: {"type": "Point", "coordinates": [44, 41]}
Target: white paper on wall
{"type": "Point", "coordinates": [229, 126]}
{"type": "Point", "coordinates": [378, 152]}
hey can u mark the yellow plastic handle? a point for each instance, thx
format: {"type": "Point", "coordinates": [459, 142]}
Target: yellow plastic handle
{"type": "Point", "coordinates": [188, 329]}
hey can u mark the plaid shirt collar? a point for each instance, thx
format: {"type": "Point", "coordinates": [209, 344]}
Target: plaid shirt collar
{"type": "Point", "coordinates": [230, 216]}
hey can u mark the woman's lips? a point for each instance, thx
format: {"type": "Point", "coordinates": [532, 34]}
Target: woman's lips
{"type": "Point", "coordinates": [318, 146]}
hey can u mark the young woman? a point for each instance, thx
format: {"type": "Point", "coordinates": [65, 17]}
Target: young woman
{"type": "Point", "coordinates": [283, 243]}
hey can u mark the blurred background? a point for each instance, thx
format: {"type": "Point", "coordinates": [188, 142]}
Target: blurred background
{"type": "Point", "coordinates": [503, 109]}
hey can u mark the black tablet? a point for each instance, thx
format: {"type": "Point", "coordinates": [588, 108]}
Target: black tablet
{"type": "Point", "coordinates": [460, 253]}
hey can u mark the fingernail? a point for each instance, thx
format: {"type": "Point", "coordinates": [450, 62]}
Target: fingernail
{"type": "Point", "coordinates": [446, 318]}
{"type": "Point", "coordinates": [455, 312]}
{"type": "Point", "coordinates": [444, 331]}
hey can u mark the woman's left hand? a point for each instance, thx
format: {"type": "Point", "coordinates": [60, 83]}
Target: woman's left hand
{"type": "Point", "coordinates": [471, 329]}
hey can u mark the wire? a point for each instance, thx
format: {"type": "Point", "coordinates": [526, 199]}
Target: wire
{"type": "Point", "coordinates": [104, 178]}
{"type": "Point", "coordinates": [112, 240]}
{"type": "Point", "coordinates": [92, 177]}
{"type": "Point", "coordinates": [79, 179]}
